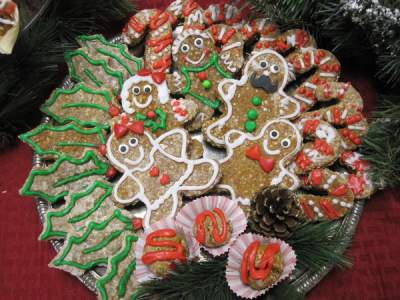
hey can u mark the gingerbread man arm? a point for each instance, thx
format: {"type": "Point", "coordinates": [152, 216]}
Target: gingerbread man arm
{"type": "Point", "coordinates": [127, 190]}
{"type": "Point", "coordinates": [184, 110]}
{"type": "Point", "coordinates": [176, 82]}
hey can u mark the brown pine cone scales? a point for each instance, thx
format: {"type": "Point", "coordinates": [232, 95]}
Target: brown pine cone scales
{"type": "Point", "coordinates": [275, 212]}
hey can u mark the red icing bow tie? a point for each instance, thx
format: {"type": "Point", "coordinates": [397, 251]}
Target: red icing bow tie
{"type": "Point", "coordinates": [120, 130]}
{"type": "Point", "coordinates": [158, 77]}
{"type": "Point", "coordinates": [266, 163]}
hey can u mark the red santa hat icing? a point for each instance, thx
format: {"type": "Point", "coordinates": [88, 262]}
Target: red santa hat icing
{"type": "Point", "coordinates": [155, 78]}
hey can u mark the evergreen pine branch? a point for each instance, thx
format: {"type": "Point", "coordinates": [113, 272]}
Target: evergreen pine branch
{"type": "Point", "coordinates": [381, 145]}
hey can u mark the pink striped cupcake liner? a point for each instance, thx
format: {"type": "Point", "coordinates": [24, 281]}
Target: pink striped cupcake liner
{"type": "Point", "coordinates": [233, 213]}
{"type": "Point", "coordinates": [142, 272]}
{"type": "Point", "coordinates": [235, 257]}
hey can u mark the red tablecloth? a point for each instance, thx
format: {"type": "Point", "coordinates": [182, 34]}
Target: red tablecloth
{"type": "Point", "coordinates": [24, 273]}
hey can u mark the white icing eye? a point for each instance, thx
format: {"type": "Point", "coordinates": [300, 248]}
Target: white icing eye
{"type": "Point", "coordinates": [263, 64]}
{"type": "Point", "coordinates": [199, 43]}
{"type": "Point", "coordinates": [185, 48]}
{"type": "Point", "coordinates": [274, 134]}
{"type": "Point", "coordinates": [147, 89]}
{"type": "Point", "coordinates": [133, 142]}
{"type": "Point", "coordinates": [123, 149]}
{"type": "Point", "coordinates": [275, 69]}
{"type": "Point", "coordinates": [136, 90]}
{"type": "Point", "coordinates": [285, 143]}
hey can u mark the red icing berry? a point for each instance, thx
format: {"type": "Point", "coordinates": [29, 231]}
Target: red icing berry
{"type": "Point", "coordinates": [102, 149]}
{"type": "Point", "coordinates": [310, 126]}
{"type": "Point", "coordinates": [183, 113]}
{"type": "Point", "coordinates": [317, 175]}
{"type": "Point", "coordinates": [111, 172]}
{"type": "Point", "coordinates": [137, 127]}
{"type": "Point", "coordinates": [120, 130]}
{"type": "Point", "coordinates": [254, 152]}
{"type": "Point", "coordinates": [137, 223]}
{"type": "Point", "coordinates": [154, 172]}
{"type": "Point", "coordinates": [114, 110]}
{"type": "Point", "coordinates": [164, 180]}
{"type": "Point", "coordinates": [267, 164]}
{"type": "Point", "coordinates": [202, 76]}
{"type": "Point", "coordinates": [151, 114]}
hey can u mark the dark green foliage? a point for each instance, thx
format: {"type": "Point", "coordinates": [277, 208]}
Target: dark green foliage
{"type": "Point", "coordinates": [37, 63]}
{"type": "Point", "coordinates": [381, 146]}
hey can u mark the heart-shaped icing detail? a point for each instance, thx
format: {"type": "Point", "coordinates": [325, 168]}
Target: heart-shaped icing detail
{"type": "Point", "coordinates": [137, 127]}
{"type": "Point", "coordinates": [267, 164]}
{"type": "Point", "coordinates": [120, 130]}
{"type": "Point", "coordinates": [254, 152]}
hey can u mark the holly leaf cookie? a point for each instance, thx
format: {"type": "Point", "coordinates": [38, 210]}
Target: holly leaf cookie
{"type": "Point", "coordinates": [118, 282]}
{"type": "Point", "coordinates": [69, 140]}
{"type": "Point", "coordinates": [84, 105]}
{"type": "Point", "coordinates": [93, 204]}
{"type": "Point", "coordinates": [63, 177]}
{"type": "Point", "coordinates": [100, 241]}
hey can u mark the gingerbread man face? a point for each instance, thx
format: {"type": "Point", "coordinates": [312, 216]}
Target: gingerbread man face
{"type": "Point", "coordinates": [141, 90]}
{"type": "Point", "coordinates": [192, 48]}
{"type": "Point", "coordinates": [281, 139]}
{"type": "Point", "coordinates": [267, 70]}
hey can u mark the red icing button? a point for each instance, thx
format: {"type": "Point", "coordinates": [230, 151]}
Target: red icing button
{"type": "Point", "coordinates": [102, 149]}
{"type": "Point", "coordinates": [114, 110]}
{"type": "Point", "coordinates": [151, 114]}
{"type": "Point", "coordinates": [137, 223]}
{"type": "Point", "coordinates": [254, 152]}
{"type": "Point", "coordinates": [267, 164]}
{"type": "Point", "coordinates": [202, 76]}
{"type": "Point", "coordinates": [317, 175]}
{"type": "Point", "coordinates": [154, 172]}
{"type": "Point", "coordinates": [164, 180]}
{"type": "Point", "coordinates": [120, 130]}
{"type": "Point", "coordinates": [111, 172]}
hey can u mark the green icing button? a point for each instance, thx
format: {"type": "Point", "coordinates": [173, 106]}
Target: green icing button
{"type": "Point", "coordinates": [206, 84]}
{"type": "Point", "coordinates": [252, 114]}
{"type": "Point", "coordinates": [250, 126]}
{"type": "Point", "coordinates": [256, 100]}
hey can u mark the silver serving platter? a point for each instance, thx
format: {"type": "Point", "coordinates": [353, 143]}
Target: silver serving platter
{"type": "Point", "coordinates": [303, 281]}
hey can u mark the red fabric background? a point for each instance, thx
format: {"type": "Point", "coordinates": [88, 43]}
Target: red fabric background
{"type": "Point", "coordinates": [24, 273]}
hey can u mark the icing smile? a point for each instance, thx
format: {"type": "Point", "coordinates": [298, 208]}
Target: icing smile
{"type": "Point", "coordinates": [138, 160]}
{"type": "Point", "coordinates": [145, 104]}
{"type": "Point", "coordinates": [196, 62]}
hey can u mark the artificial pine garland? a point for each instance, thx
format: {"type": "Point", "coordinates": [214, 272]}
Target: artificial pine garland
{"type": "Point", "coordinates": [316, 244]}
{"type": "Point", "coordinates": [37, 64]}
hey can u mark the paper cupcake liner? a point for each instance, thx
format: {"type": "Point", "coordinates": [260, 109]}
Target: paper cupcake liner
{"type": "Point", "coordinates": [235, 258]}
{"type": "Point", "coordinates": [142, 272]}
{"type": "Point", "coordinates": [187, 216]}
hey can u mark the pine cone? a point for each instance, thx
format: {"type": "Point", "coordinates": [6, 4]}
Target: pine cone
{"type": "Point", "coordinates": [275, 212]}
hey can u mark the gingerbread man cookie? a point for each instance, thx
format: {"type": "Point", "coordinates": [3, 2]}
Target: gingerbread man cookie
{"type": "Point", "coordinates": [257, 97]}
{"type": "Point", "coordinates": [157, 172]}
{"type": "Point", "coordinates": [145, 97]}
{"type": "Point", "coordinates": [255, 162]}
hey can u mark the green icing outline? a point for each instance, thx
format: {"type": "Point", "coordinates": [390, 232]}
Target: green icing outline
{"type": "Point", "coordinates": [101, 169]}
{"type": "Point", "coordinates": [73, 240]}
{"type": "Point", "coordinates": [101, 62]}
{"type": "Point", "coordinates": [115, 261]}
{"type": "Point", "coordinates": [214, 104]}
{"type": "Point", "coordinates": [59, 92]}
{"type": "Point", "coordinates": [26, 137]}
{"type": "Point", "coordinates": [151, 123]}
{"type": "Point", "coordinates": [66, 210]}
{"type": "Point", "coordinates": [122, 49]}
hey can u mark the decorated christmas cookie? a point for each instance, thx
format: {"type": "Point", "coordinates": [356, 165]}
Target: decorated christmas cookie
{"type": "Point", "coordinates": [200, 67]}
{"type": "Point", "coordinates": [254, 99]}
{"type": "Point", "coordinates": [254, 162]}
{"type": "Point", "coordinates": [145, 97]}
{"type": "Point", "coordinates": [157, 172]}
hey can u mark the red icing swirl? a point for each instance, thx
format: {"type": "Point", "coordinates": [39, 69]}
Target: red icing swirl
{"type": "Point", "coordinates": [219, 237]}
{"type": "Point", "coordinates": [176, 253]}
{"type": "Point", "coordinates": [248, 267]}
